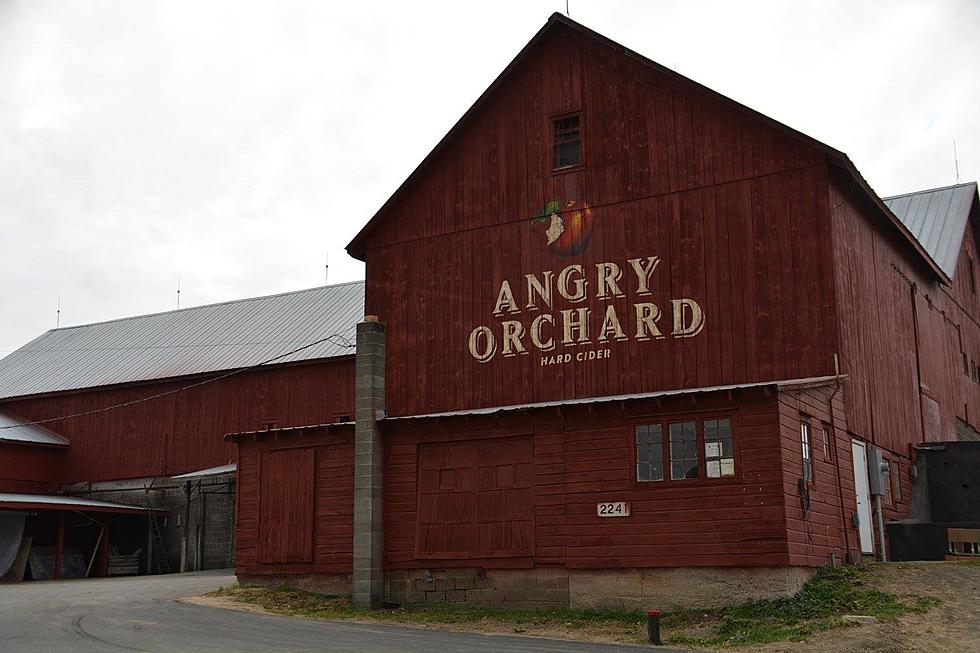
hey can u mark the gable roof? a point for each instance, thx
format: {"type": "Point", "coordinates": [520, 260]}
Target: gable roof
{"type": "Point", "coordinates": [14, 430]}
{"type": "Point", "coordinates": [357, 246]}
{"type": "Point", "coordinates": [937, 218]}
{"type": "Point", "coordinates": [211, 338]}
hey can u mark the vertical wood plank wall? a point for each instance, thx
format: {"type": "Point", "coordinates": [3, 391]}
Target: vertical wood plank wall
{"type": "Point", "coordinates": [183, 432]}
{"type": "Point", "coordinates": [329, 509]}
{"type": "Point", "coordinates": [735, 209]}
{"type": "Point", "coordinates": [903, 336]}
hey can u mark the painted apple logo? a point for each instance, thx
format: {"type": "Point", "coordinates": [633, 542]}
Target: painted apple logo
{"type": "Point", "coordinates": [566, 226]}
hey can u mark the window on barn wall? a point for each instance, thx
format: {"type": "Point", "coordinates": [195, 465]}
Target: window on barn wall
{"type": "Point", "coordinates": [568, 141]}
{"type": "Point", "coordinates": [973, 279]}
{"type": "Point", "coordinates": [676, 445]}
{"type": "Point", "coordinates": [805, 447]}
{"type": "Point", "coordinates": [828, 442]}
{"type": "Point", "coordinates": [719, 456]}
{"type": "Point", "coordinates": [649, 452]}
{"type": "Point", "coordinates": [683, 450]}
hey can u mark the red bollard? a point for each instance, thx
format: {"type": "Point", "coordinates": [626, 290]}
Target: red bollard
{"type": "Point", "coordinates": [653, 626]}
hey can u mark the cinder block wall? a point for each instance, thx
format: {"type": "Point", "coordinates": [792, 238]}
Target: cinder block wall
{"type": "Point", "coordinates": [212, 516]}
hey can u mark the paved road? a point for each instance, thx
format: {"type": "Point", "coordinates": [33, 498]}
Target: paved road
{"type": "Point", "coordinates": [141, 614]}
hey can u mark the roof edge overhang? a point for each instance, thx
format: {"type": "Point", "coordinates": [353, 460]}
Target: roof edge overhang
{"type": "Point", "coordinates": [286, 431]}
{"type": "Point", "coordinates": [14, 501]}
{"type": "Point", "coordinates": [844, 163]}
{"type": "Point", "coordinates": [196, 376]}
{"type": "Point", "coordinates": [783, 385]}
{"type": "Point", "coordinates": [358, 245]}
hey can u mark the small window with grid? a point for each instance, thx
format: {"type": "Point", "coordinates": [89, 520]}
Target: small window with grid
{"type": "Point", "coordinates": [649, 453]}
{"type": "Point", "coordinates": [719, 457]}
{"type": "Point", "coordinates": [683, 450]}
{"type": "Point", "coordinates": [568, 142]}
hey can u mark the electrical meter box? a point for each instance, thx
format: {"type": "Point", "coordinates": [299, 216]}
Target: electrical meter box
{"type": "Point", "coordinates": [877, 468]}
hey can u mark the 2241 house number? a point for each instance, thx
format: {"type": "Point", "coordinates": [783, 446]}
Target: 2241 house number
{"type": "Point", "coordinates": [613, 509]}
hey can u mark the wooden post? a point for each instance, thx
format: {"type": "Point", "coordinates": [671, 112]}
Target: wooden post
{"type": "Point", "coordinates": [104, 547]}
{"type": "Point", "coordinates": [59, 545]}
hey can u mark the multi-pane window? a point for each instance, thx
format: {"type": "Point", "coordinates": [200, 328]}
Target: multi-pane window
{"type": "Point", "coordinates": [568, 142]}
{"type": "Point", "coordinates": [649, 452]}
{"type": "Point", "coordinates": [828, 440]}
{"type": "Point", "coordinates": [805, 446]}
{"type": "Point", "coordinates": [719, 456]}
{"type": "Point", "coordinates": [683, 450]}
{"type": "Point", "coordinates": [680, 449]}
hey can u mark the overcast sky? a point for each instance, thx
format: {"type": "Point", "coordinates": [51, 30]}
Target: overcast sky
{"type": "Point", "coordinates": [237, 145]}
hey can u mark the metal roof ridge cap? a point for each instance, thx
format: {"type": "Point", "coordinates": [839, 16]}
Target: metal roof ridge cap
{"type": "Point", "coordinates": [193, 308]}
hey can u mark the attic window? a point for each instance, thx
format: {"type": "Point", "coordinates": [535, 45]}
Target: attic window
{"type": "Point", "coordinates": [568, 141]}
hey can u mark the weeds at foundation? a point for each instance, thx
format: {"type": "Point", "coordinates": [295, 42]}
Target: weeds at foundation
{"type": "Point", "coordinates": [820, 606]}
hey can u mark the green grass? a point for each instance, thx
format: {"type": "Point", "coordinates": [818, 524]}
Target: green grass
{"type": "Point", "coordinates": [820, 606]}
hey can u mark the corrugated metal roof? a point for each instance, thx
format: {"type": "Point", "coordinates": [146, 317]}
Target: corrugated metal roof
{"type": "Point", "coordinates": [786, 384]}
{"type": "Point", "coordinates": [58, 502]}
{"type": "Point", "coordinates": [13, 430]}
{"type": "Point", "coordinates": [937, 218]}
{"type": "Point", "coordinates": [210, 471]}
{"type": "Point", "coordinates": [210, 338]}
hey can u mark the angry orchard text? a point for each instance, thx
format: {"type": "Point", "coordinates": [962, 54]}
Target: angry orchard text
{"type": "Point", "coordinates": [532, 324]}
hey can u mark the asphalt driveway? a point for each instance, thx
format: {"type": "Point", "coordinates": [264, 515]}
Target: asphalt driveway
{"type": "Point", "coordinates": [142, 614]}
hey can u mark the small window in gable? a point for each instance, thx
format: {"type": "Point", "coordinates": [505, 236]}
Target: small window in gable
{"type": "Point", "coordinates": [971, 275]}
{"type": "Point", "coordinates": [568, 142]}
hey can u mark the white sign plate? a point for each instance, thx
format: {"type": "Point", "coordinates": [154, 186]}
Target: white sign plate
{"type": "Point", "coordinates": [613, 509]}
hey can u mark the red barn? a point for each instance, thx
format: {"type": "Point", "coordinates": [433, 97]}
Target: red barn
{"type": "Point", "coordinates": [629, 341]}
{"type": "Point", "coordinates": [131, 413]}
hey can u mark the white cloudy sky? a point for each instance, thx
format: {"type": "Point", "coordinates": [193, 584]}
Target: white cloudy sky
{"type": "Point", "coordinates": [236, 145]}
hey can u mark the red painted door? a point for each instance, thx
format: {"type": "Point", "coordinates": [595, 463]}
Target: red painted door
{"type": "Point", "coordinates": [286, 495]}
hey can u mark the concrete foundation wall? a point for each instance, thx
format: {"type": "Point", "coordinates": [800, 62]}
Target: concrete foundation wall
{"type": "Point", "coordinates": [555, 587]}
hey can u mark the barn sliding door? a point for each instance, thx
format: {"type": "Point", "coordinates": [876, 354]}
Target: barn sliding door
{"type": "Point", "coordinates": [475, 499]}
{"type": "Point", "coordinates": [286, 503]}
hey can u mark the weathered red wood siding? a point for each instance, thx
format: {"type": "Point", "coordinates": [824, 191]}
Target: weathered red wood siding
{"type": "Point", "coordinates": [582, 456]}
{"type": "Point", "coordinates": [183, 432]}
{"type": "Point", "coordinates": [288, 523]}
{"type": "Point", "coordinates": [29, 469]}
{"type": "Point", "coordinates": [902, 335]}
{"type": "Point", "coordinates": [734, 207]}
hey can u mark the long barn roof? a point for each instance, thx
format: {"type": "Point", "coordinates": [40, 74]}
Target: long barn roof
{"type": "Point", "coordinates": [937, 218]}
{"type": "Point", "coordinates": [211, 338]}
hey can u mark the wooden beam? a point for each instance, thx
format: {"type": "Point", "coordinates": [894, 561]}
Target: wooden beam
{"type": "Point", "coordinates": [59, 545]}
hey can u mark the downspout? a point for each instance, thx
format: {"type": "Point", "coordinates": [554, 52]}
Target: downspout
{"type": "Point", "coordinates": [836, 453]}
{"type": "Point", "coordinates": [918, 371]}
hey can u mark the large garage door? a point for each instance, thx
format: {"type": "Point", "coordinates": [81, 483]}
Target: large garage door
{"type": "Point", "coordinates": [475, 499]}
{"type": "Point", "coordinates": [286, 506]}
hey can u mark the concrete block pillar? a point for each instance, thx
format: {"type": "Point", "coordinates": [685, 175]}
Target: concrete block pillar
{"type": "Point", "coordinates": [368, 577]}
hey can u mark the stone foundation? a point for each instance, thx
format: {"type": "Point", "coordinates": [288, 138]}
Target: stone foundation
{"type": "Point", "coordinates": [629, 589]}
{"type": "Point", "coordinates": [333, 584]}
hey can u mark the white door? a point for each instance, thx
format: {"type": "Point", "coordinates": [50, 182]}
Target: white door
{"type": "Point", "coordinates": [861, 490]}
